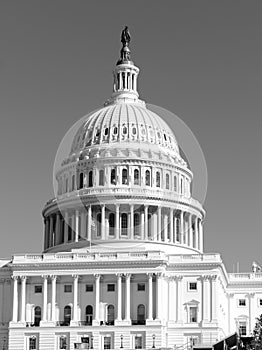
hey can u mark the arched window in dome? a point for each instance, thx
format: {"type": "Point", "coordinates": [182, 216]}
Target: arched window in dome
{"type": "Point", "coordinates": [89, 315]}
{"type": "Point", "coordinates": [136, 177]}
{"type": "Point", "coordinates": [141, 314]}
{"type": "Point", "coordinates": [181, 186]}
{"type": "Point", "coordinates": [106, 131]}
{"type": "Point", "coordinates": [37, 317]}
{"type": "Point", "coordinates": [148, 178]}
{"type": "Point", "coordinates": [134, 130]}
{"type": "Point", "coordinates": [110, 315]}
{"type": "Point", "coordinates": [177, 221]}
{"type": "Point", "coordinates": [81, 181]}
{"type": "Point", "coordinates": [123, 80]}
{"type": "Point", "coordinates": [124, 130]}
{"type": "Point", "coordinates": [136, 224]}
{"type": "Point", "coordinates": [165, 137]}
{"type": "Point", "coordinates": [73, 179]}
{"type": "Point", "coordinates": [175, 183]}
{"type": "Point", "coordinates": [101, 177]}
{"type": "Point", "coordinates": [118, 81]}
{"type": "Point", "coordinates": [98, 225]}
{"type": "Point", "coordinates": [167, 181]}
{"type": "Point", "coordinates": [90, 178]}
{"type": "Point", "coordinates": [115, 130]}
{"type": "Point", "coordinates": [67, 315]}
{"type": "Point", "coordinates": [124, 224]}
{"type": "Point", "coordinates": [111, 224]}
{"type": "Point", "coordinates": [113, 177]}
{"type": "Point", "coordinates": [158, 182]}
{"type": "Point", "coordinates": [66, 185]}
{"type": "Point", "coordinates": [124, 177]}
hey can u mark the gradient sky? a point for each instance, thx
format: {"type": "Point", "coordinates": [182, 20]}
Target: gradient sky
{"type": "Point", "coordinates": [199, 59]}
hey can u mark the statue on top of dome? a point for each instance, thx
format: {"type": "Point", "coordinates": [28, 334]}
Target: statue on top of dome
{"type": "Point", "coordinates": [125, 37]}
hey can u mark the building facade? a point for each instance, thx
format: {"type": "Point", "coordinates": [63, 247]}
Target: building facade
{"type": "Point", "coordinates": [123, 264]}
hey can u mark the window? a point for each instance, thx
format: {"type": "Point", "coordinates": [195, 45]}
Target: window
{"type": "Point", "coordinates": [136, 177]}
{"type": "Point", "coordinates": [81, 180]}
{"type": "Point", "coordinates": [37, 317]}
{"type": "Point", "coordinates": [38, 289]}
{"type": "Point", "coordinates": [66, 185]}
{"type": "Point", "coordinates": [141, 287]}
{"type": "Point", "coordinates": [124, 177]}
{"type": "Point", "coordinates": [167, 181]}
{"type": "Point", "coordinates": [62, 342]}
{"type": "Point", "coordinates": [148, 180]}
{"type": "Point", "coordinates": [242, 328]}
{"type": "Point", "coordinates": [111, 224]}
{"type": "Point", "coordinates": [134, 131]}
{"type": "Point", "coordinates": [181, 186]}
{"type": "Point", "coordinates": [68, 288]}
{"type": "Point", "coordinates": [115, 130]}
{"type": "Point", "coordinates": [32, 343]}
{"type": "Point", "coordinates": [89, 314]}
{"type": "Point", "coordinates": [124, 224]}
{"type": "Point", "coordinates": [193, 314]}
{"type": "Point", "coordinates": [111, 287]}
{"type": "Point", "coordinates": [107, 342]}
{"type": "Point", "coordinates": [89, 288]}
{"type": "Point", "coordinates": [106, 132]}
{"type": "Point", "coordinates": [192, 285]}
{"type": "Point", "coordinates": [136, 223]}
{"type": "Point", "coordinates": [90, 179]}
{"type": "Point", "coordinates": [260, 302]}
{"type": "Point", "coordinates": [113, 177]}
{"type": "Point", "coordinates": [242, 302]}
{"type": "Point", "coordinates": [157, 179]}
{"type": "Point", "coordinates": [73, 183]}
{"type": "Point", "coordinates": [138, 342]}
{"type": "Point", "coordinates": [101, 177]}
{"type": "Point", "coordinates": [141, 314]}
{"type": "Point", "coordinates": [99, 220]}
{"type": "Point", "coordinates": [124, 130]}
{"type": "Point", "coordinates": [67, 315]}
{"type": "Point", "coordinates": [175, 183]}
{"type": "Point", "coordinates": [110, 314]}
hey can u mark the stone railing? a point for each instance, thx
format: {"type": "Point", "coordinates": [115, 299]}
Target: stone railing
{"type": "Point", "coordinates": [87, 257]}
{"type": "Point", "coordinates": [193, 258]}
{"type": "Point", "coordinates": [240, 277]}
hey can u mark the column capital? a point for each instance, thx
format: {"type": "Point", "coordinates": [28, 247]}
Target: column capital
{"type": "Point", "coordinates": [45, 277]}
{"type": "Point", "coordinates": [15, 278]}
{"type": "Point", "coordinates": [97, 276]}
{"type": "Point", "coordinates": [250, 295]}
{"type": "Point", "coordinates": [127, 275]}
{"type": "Point", "coordinates": [230, 295]}
{"type": "Point", "coordinates": [75, 277]}
{"type": "Point", "coordinates": [178, 277]}
{"type": "Point", "coordinates": [119, 275]}
{"type": "Point", "coordinates": [150, 274]}
{"type": "Point", "coordinates": [53, 277]}
{"type": "Point", "coordinates": [213, 277]}
{"type": "Point", "coordinates": [23, 278]}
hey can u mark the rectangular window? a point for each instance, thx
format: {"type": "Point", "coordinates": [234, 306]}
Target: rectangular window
{"type": "Point", "coordinates": [68, 288]}
{"type": "Point", "coordinates": [63, 342]}
{"type": "Point", "coordinates": [138, 342]}
{"type": "Point", "coordinates": [192, 286]}
{"type": "Point", "coordinates": [242, 328]}
{"type": "Point", "coordinates": [141, 287]}
{"type": "Point", "coordinates": [32, 343]}
{"type": "Point", "coordinates": [89, 288]}
{"type": "Point", "coordinates": [260, 302]}
{"type": "Point", "coordinates": [110, 287]}
{"type": "Point", "coordinates": [242, 302]}
{"type": "Point", "coordinates": [107, 342]}
{"type": "Point", "coordinates": [193, 314]}
{"type": "Point", "coordinates": [38, 289]}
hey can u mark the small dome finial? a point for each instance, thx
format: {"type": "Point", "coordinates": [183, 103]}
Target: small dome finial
{"type": "Point", "coordinates": [125, 52]}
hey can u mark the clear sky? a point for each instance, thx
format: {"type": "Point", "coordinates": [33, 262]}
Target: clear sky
{"type": "Point", "coordinates": [199, 59]}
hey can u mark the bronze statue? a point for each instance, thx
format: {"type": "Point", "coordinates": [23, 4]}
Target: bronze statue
{"type": "Point", "coordinates": [125, 37]}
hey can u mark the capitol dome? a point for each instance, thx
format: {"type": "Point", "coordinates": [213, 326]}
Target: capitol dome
{"type": "Point", "coordinates": [124, 183]}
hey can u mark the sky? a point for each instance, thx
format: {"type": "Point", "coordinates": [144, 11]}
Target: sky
{"type": "Point", "coordinates": [199, 59]}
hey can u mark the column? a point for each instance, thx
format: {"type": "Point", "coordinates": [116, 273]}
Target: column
{"type": "Point", "coordinates": [186, 229]}
{"type": "Point", "coordinates": [119, 297]}
{"type": "Point", "coordinates": [190, 230]}
{"type": "Point", "coordinates": [97, 299]}
{"type": "Point", "coordinates": [58, 229]}
{"type": "Point", "coordinates": [15, 299]}
{"type": "Point", "coordinates": [179, 304]}
{"type": "Point", "coordinates": [51, 230]}
{"type": "Point", "coordinates": [196, 232]}
{"type": "Point", "coordinates": [250, 311]}
{"type": "Point", "coordinates": [165, 227]}
{"type": "Point", "coordinates": [150, 296]}
{"type": "Point", "coordinates": [205, 299]}
{"type": "Point", "coordinates": [171, 223]}
{"type": "Point", "coordinates": [75, 304]}
{"type": "Point", "coordinates": [181, 227]}
{"type": "Point", "coordinates": [229, 297]}
{"type": "Point", "coordinates": [83, 224]}
{"type": "Point", "coordinates": [146, 223]}
{"type": "Point", "coordinates": [117, 233]}
{"type": "Point", "coordinates": [201, 238]}
{"type": "Point", "coordinates": [142, 225]}
{"type": "Point", "coordinates": [66, 226]}
{"type": "Point", "coordinates": [89, 223]}
{"type": "Point", "coordinates": [23, 298]}
{"type": "Point", "coordinates": [53, 301]}
{"type": "Point", "coordinates": [158, 295]}
{"type": "Point", "coordinates": [172, 299]}
{"type": "Point", "coordinates": [127, 304]}
{"type": "Point", "coordinates": [213, 282]}
{"type": "Point", "coordinates": [44, 316]}
{"type": "Point", "coordinates": [103, 222]}
{"type": "Point", "coordinates": [159, 224]}
{"type": "Point", "coordinates": [46, 233]}
{"type": "Point", "coordinates": [131, 228]}
{"type": "Point", "coordinates": [175, 229]}
{"type": "Point", "coordinates": [155, 226]}
{"type": "Point", "coordinates": [76, 225]}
